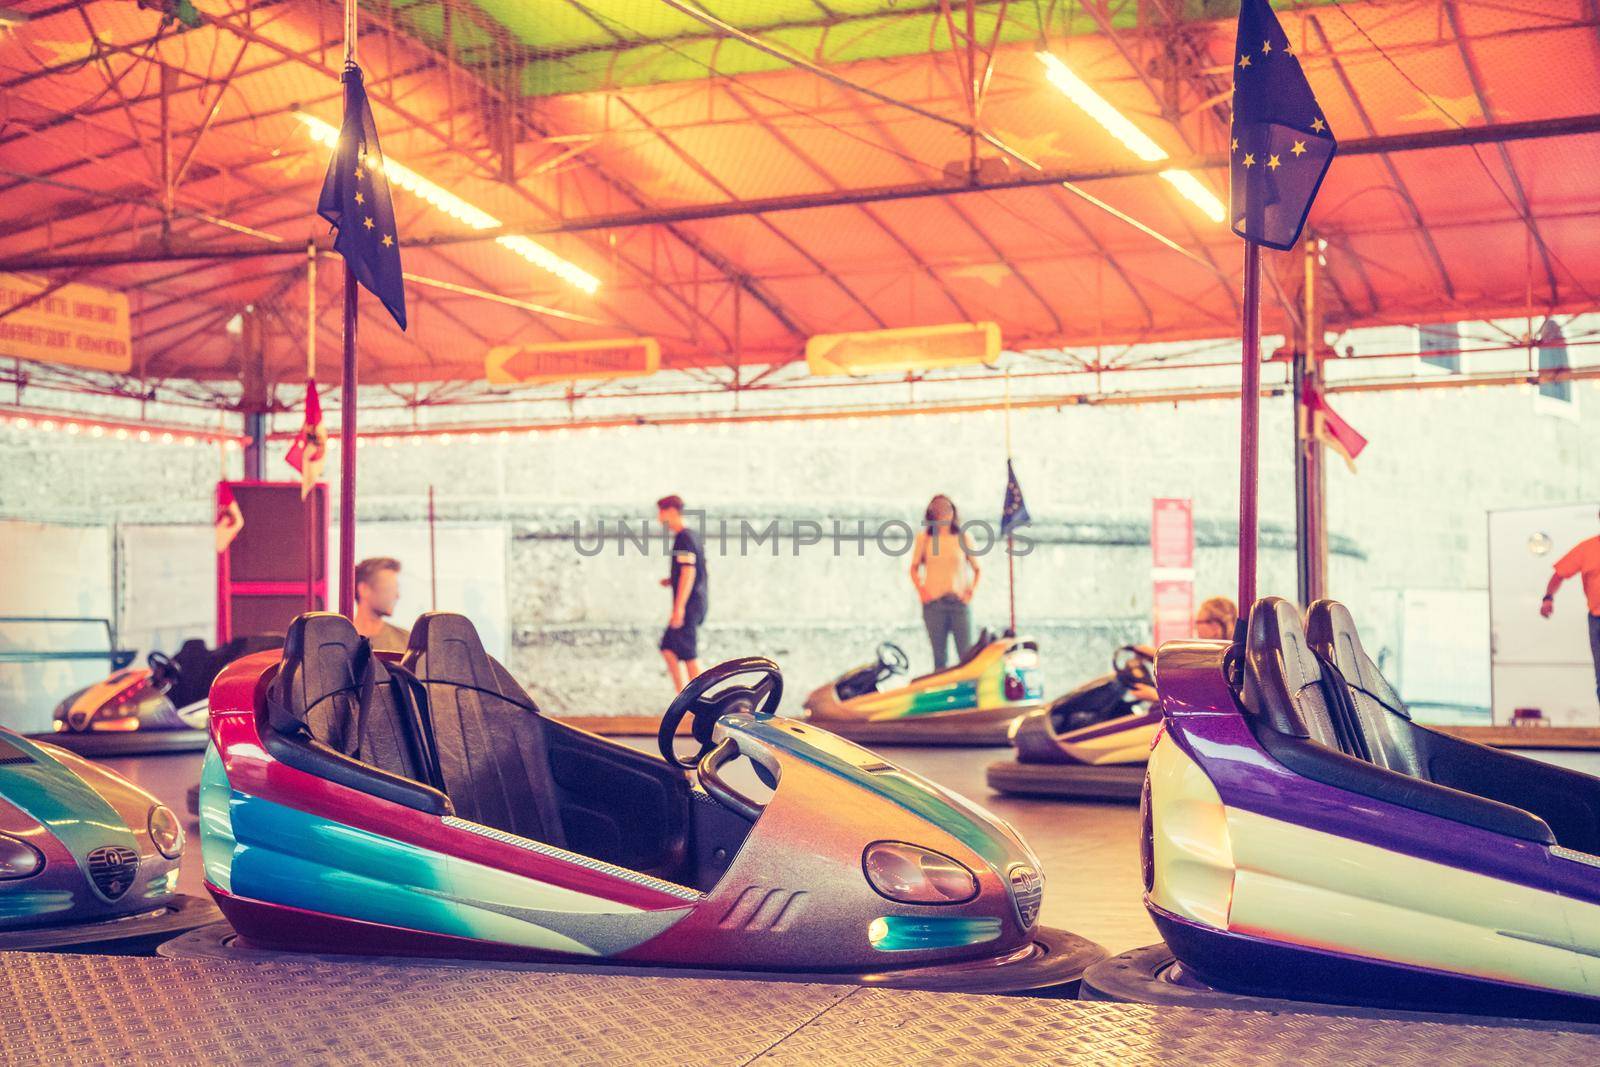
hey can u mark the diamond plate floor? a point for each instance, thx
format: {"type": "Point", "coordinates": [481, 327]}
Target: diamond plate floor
{"type": "Point", "coordinates": [105, 1010]}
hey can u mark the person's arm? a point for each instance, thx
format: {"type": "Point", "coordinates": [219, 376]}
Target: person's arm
{"type": "Point", "coordinates": [1566, 567]}
{"type": "Point", "coordinates": [680, 602]}
{"type": "Point", "coordinates": [972, 561]}
{"type": "Point", "coordinates": [918, 551]}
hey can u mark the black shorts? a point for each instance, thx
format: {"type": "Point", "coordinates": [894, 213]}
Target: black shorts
{"type": "Point", "coordinates": [684, 641]}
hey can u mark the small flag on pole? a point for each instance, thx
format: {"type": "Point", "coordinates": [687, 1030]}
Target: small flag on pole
{"type": "Point", "coordinates": [1280, 146]}
{"type": "Point", "coordinates": [355, 199]}
{"type": "Point", "coordinates": [310, 446]}
{"type": "Point", "coordinates": [1014, 512]}
{"type": "Point", "coordinates": [230, 520]}
{"type": "Point", "coordinates": [1329, 428]}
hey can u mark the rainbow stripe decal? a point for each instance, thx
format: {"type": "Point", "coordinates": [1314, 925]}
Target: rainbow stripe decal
{"type": "Point", "coordinates": [280, 855]}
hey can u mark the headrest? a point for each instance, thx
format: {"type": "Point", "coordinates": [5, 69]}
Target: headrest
{"type": "Point", "coordinates": [445, 650]}
{"type": "Point", "coordinates": [1282, 679]}
{"type": "Point", "coordinates": [1331, 631]}
{"type": "Point", "coordinates": [322, 656]}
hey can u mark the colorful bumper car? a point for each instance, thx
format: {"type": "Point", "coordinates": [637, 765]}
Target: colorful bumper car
{"type": "Point", "coordinates": [359, 804]}
{"type": "Point", "coordinates": [160, 707]}
{"type": "Point", "coordinates": [88, 861]}
{"type": "Point", "coordinates": [971, 703]}
{"type": "Point", "coordinates": [1090, 744]}
{"type": "Point", "coordinates": [1308, 847]}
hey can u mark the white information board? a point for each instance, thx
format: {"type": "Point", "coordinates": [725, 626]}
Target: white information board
{"type": "Point", "coordinates": [1540, 663]}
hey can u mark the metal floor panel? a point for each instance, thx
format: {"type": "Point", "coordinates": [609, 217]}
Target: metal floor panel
{"type": "Point", "coordinates": [102, 1009]}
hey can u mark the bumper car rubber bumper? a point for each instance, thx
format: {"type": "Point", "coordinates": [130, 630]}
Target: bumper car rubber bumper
{"type": "Point", "coordinates": [1152, 975]}
{"type": "Point", "coordinates": [131, 935]}
{"type": "Point", "coordinates": [97, 744]}
{"type": "Point", "coordinates": [1053, 960]}
{"type": "Point", "coordinates": [1067, 781]}
{"type": "Point", "coordinates": [962, 730]}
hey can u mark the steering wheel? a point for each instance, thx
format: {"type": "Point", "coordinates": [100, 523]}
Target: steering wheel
{"type": "Point", "coordinates": [893, 658]}
{"type": "Point", "coordinates": [163, 671]}
{"type": "Point", "coordinates": [698, 700]}
{"type": "Point", "coordinates": [1133, 666]}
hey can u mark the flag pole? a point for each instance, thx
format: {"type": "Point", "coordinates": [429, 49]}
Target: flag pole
{"type": "Point", "coordinates": [1249, 427]}
{"type": "Point", "coordinates": [1011, 556]}
{"type": "Point", "coordinates": [347, 396]}
{"type": "Point", "coordinates": [308, 501]}
{"type": "Point", "coordinates": [433, 557]}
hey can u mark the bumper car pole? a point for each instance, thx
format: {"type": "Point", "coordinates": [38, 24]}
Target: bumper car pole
{"type": "Point", "coordinates": [1249, 423]}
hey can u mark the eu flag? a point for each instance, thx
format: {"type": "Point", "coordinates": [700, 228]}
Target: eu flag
{"type": "Point", "coordinates": [1281, 144]}
{"type": "Point", "coordinates": [355, 199]}
{"type": "Point", "coordinates": [1014, 512]}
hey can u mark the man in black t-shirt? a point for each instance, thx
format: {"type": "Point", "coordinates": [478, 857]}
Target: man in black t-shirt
{"type": "Point", "coordinates": [680, 645]}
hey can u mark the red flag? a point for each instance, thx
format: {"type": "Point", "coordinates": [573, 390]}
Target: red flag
{"type": "Point", "coordinates": [230, 520]}
{"type": "Point", "coordinates": [310, 447]}
{"type": "Point", "coordinates": [1333, 431]}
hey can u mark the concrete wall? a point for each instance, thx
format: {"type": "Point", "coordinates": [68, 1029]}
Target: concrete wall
{"type": "Point", "coordinates": [583, 628]}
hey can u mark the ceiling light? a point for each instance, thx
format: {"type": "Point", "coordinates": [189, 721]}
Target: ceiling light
{"type": "Point", "coordinates": [458, 209]}
{"type": "Point", "coordinates": [1134, 139]}
{"type": "Point", "coordinates": [1194, 191]}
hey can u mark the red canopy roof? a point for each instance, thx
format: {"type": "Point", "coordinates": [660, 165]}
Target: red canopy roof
{"type": "Point", "coordinates": [733, 216]}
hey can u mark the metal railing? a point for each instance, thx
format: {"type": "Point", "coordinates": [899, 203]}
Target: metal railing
{"type": "Point", "coordinates": [118, 658]}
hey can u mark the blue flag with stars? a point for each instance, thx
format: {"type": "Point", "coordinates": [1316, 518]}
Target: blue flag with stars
{"type": "Point", "coordinates": [1014, 512]}
{"type": "Point", "coordinates": [1281, 145]}
{"type": "Point", "coordinates": [355, 199]}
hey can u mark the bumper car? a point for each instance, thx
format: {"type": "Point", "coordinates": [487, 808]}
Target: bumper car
{"type": "Point", "coordinates": [1305, 841]}
{"type": "Point", "coordinates": [1090, 744]}
{"type": "Point", "coordinates": [971, 703]}
{"type": "Point", "coordinates": [356, 803]}
{"type": "Point", "coordinates": [160, 707]}
{"type": "Point", "coordinates": [88, 861]}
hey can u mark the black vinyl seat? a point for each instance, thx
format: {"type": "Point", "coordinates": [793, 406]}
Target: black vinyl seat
{"type": "Point", "coordinates": [1301, 713]}
{"type": "Point", "coordinates": [198, 666]}
{"type": "Point", "coordinates": [490, 740]}
{"type": "Point", "coordinates": [336, 711]}
{"type": "Point", "coordinates": [448, 731]}
{"type": "Point", "coordinates": [195, 674]}
{"type": "Point", "coordinates": [1282, 678]}
{"type": "Point", "coordinates": [1566, 801]}
{"type": "Point", "coordinates": [505, 765]}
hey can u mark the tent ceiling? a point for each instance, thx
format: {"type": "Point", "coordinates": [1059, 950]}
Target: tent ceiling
{"type": "Point", "coordinates": [647, 134]}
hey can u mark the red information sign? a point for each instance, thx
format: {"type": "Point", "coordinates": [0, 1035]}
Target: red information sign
{"type": "Point", "coordinates": [1172, 568]}
{"type": "Point", "coordinates": [1172, 534]}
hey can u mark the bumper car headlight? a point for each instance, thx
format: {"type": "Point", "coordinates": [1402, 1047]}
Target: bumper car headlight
{"type": "Point", "coordinates": [908, 874]}
{"type": "Point", "coordinates": [166, 832]}
{"type": "Point", "coordinates": [18, 859]}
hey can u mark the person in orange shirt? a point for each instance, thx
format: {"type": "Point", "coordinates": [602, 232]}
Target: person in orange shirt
{"type": "Point", "coordinates": [1584, 559]}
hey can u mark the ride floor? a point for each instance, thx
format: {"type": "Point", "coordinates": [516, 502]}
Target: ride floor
{"type": "Point", "coordinates": [104, 1009]}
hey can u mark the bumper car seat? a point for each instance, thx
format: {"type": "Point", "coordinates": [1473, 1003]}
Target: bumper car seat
{"type": "Point", "coordinates": [506, 766]}
{"type": "Point", "coordinates": [337, 711]}
{"type": "Point", "coordinates": [491, 743]}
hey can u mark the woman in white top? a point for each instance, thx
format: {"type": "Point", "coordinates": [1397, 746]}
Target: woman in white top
{"type": "Point", "coordinates": [941, 561]}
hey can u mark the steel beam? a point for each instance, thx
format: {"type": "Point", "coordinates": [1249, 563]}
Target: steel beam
{"type": "Point", "coordinates": [1410, 142]}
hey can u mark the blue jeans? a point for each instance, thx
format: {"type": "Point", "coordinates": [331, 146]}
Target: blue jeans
{"type": "Point", "coordinates": [1594, 650]}
{"type": "Point", "coordinates": [947, 618]}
